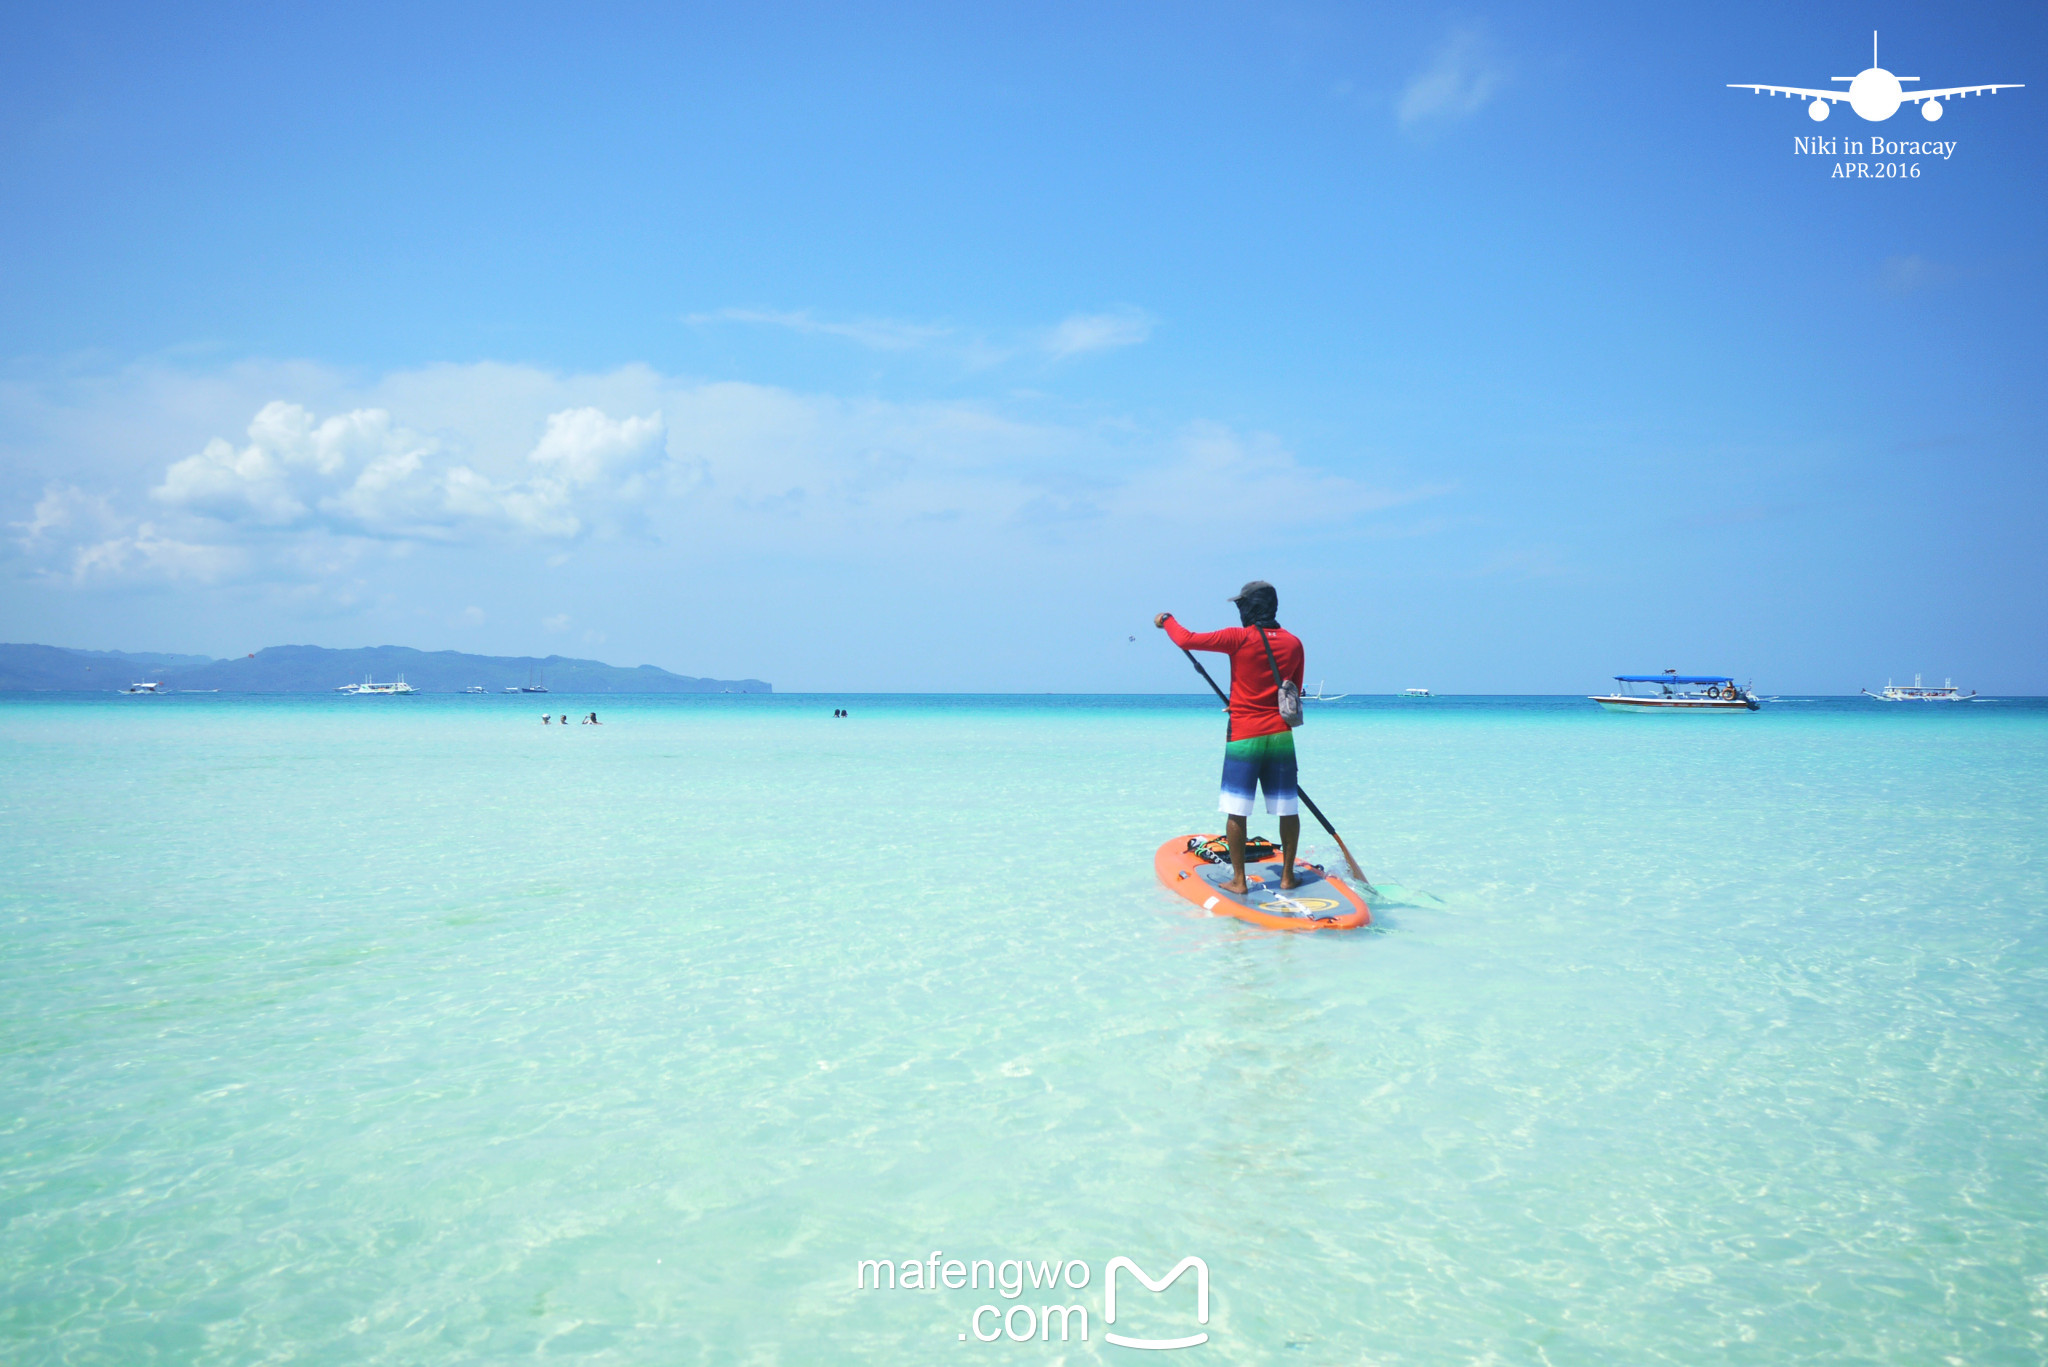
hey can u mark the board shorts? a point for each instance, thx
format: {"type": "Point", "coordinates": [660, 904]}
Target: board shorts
{"type": "Point", "coordinates": [1260, 763]}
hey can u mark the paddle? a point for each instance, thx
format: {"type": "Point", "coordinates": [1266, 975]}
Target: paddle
{"type": "Point", "coordinates": [1306, 801]}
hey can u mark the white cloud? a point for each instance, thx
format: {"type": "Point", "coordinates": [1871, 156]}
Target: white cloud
{"type": "Point", "coordinates": [63, 511]}
{"type": "Point", "coordinates": [1083, 332]}
{"type": "Point", "coordinates": [360, 473]}
{"type": "Point", "coordinates": [1458, 82]}
{"type": "Point", "coordinates": [357, 471]}
{"type": "Point", "coordinates": [148, 553]}
{"type": "Point", "coordinates": [880, 334]}
{"type": "Point", "coordinates": [584, 458]}
{"type": "Point", "coordinates": [81, 538]}
{"type": "Point", "coordinates": [1212, 462]}
{"type": "Point", "coordinates": [1074, 335]}
{"type": "Point", "coordinates": [494, 458]}
{"type": "Point", "coordinates": [582, 446]}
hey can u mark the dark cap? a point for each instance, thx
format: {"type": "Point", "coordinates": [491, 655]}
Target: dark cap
{"type": "Point", "coordinates": [1257, 586]}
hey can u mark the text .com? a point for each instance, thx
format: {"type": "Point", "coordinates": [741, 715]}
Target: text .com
{"type": "Point", "coordinates": [1055, 1280]}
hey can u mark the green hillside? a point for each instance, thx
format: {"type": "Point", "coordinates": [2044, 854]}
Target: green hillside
{"type": "Point", "coordinates": [315, 669]}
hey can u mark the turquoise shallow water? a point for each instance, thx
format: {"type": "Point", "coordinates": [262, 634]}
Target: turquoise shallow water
{"type": "Point", "coordinates": [410, 1031]}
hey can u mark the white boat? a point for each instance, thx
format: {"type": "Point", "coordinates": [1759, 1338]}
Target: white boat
{"type": "Point", "coordinates": [146, 686]}
{"type": "Point", "coordinates": [474, 688]}
{"type": "Point", "coordinates": [1320, 696]}
{"type": "Point", "coordinates": [1416, 693]}
{"type": "Point", "coordinates": [1917, 692]}
{"type": "Point", "coordinates": [1672, 691]}
{"type": "Point", "coordinates": [367, 689]}
{"type": "Point", "coordinates": [535, 683]}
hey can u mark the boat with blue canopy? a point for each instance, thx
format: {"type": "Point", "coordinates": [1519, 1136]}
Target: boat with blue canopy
{"type": "Point", "coordinates": [1672, 691]}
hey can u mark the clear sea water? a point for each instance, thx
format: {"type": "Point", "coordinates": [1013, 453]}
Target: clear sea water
{"type": "Point", "coordinates": [409, 1031]}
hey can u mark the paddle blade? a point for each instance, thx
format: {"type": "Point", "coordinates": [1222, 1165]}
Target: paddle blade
{"type": "Point", "coordinates": [1356, 872]}
{"type": "Point", "coordinates": [1395, 895]}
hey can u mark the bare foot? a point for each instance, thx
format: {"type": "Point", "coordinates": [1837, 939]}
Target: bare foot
{"type": "Point", "coordinates": [1289, 883]}
{"type": "Point", "coordinates": [1234, 885]}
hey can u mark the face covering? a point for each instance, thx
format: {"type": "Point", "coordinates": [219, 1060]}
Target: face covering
{"type": "Point", "coordinates": [1260, 610]}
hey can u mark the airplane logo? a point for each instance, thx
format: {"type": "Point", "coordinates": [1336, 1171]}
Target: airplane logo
{"type": "Point", "coordinates": [1875, 94]}
{"type": "Point", "coordinates": [1201, 1301]}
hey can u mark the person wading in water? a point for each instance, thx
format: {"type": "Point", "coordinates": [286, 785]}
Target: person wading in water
{"type": "Point", "coordinates": [1259, 750]}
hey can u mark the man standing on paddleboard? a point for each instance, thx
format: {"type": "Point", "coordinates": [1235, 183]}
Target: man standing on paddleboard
{"type": "Point", "coordinates": [1259, 750]}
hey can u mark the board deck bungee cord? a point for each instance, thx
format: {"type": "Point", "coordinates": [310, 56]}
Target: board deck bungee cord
{"type": "Point", "coordinates": [1323, 901]}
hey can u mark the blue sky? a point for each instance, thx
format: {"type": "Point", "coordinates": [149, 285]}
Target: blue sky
{"type": "Point", "coordinates": [937, 347]}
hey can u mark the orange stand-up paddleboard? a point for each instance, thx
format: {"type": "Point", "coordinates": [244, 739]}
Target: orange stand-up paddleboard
{"type": "Point", "coordinates": [1323, 901]}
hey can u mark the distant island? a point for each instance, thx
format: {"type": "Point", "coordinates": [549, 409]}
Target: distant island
{"type": "Point", "coordinates": [314, 669]}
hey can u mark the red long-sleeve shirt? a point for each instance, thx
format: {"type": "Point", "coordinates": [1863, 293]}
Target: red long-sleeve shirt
{"type": "Point", "coordinates": [1254, 696]}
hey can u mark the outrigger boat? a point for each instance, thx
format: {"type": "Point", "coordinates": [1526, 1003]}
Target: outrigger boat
{"type": "Point", "coordinates": [146, 686]}
{"type": "Point", "coordinates": [366, 689]}
{"type": "Point", "coordinates": [1677, 692]}
{"type": "Point", "coordinates": [1416, 693]}
{"type": "Point", "coordinates": [1320, 696]}
{"type": "Point", "coordinates": [1948, 692]}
